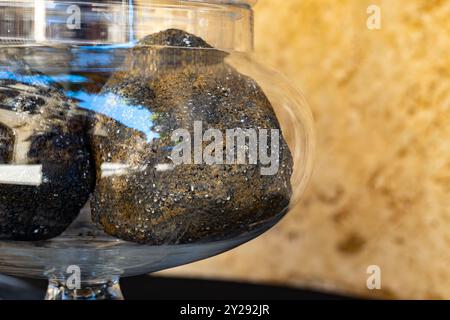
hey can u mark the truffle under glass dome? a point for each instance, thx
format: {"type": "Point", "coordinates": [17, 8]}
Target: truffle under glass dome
{"type": "Point", "coordinates": [137, 136]}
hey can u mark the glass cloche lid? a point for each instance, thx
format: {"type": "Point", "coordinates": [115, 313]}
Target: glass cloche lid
{"type": "Point", "coordinates": [137, 136]}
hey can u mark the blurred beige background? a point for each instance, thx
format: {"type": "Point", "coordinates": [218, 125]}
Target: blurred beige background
{"type": "Point", "coordinates": [380, 194]}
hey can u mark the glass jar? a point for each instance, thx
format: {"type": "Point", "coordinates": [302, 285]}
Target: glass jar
{"type": "Point", "coordinates": [137, 136]}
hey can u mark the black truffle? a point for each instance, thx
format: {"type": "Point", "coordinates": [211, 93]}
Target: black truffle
{"type": "Point", "coordinates": [46, 174]}
{"type": "Point", "coordinates": [140, 195]}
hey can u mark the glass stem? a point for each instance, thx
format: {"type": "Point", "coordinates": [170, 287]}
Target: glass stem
{"type": "Point", "coordinates": [103, 290]}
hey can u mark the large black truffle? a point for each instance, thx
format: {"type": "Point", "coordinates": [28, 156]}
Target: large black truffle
{"type": "Point", "coordinates": [46, 174]}
{"type": "Point", "coordinates": [140, 196]}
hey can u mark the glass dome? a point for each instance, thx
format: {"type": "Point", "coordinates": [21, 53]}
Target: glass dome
{"type": "Point", "coordinates": [137, 136]}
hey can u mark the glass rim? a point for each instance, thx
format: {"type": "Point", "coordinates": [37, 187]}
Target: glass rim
{"type": "Point", "coordinates": [238, 2]}
{"type": "Point", "coordinates": [18, 3]}
{"type": "Point", "coordinates": [112, 22]}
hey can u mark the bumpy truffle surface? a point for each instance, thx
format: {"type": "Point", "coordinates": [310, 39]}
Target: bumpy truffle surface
{"type": "Point", "coordinates": [140, 195]}
{"type": "Point", "coordinates": [46, 174]}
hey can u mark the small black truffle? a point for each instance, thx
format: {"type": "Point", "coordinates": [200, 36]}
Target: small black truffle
{"type": "Point", "coordinates": [46, 174]}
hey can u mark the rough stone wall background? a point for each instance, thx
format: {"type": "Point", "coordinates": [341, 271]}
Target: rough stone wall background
{"type": "Point", "coordinates": [380, 193]}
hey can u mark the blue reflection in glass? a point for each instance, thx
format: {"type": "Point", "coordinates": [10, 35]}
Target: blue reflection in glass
{"type": "Point", "coordinates": [41, 79]}
{"type": "Point", "coordinates": [97, 60]}
{"type": "Point", "coordinates": [111, 105]}
{"type": "Point", "coordinates": [100, 57]}
{"type": "Point", "coordinates": [120, 109]}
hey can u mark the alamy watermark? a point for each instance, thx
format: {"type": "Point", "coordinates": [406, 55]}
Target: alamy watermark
{"type": "Point", "coordinates": [73, 22]}
{"type": "Point", "coordinates": [374, 277]}
{"type": "Point", "coordinates": [73, 282]}
{"type": "Point", "coordinates": [374, 18]}
{"type": "Point", "coordinates": [233, 146]}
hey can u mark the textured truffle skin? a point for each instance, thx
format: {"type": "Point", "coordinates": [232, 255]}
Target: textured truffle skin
{"type": "Point", "coordinates": [6, 147]}
{"type": "Point", "coordinates": [40, 127]}
{"type": "Point", "coordinates": [187, 203]}
{"type": "Point", "coordinates": [174, 38]}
